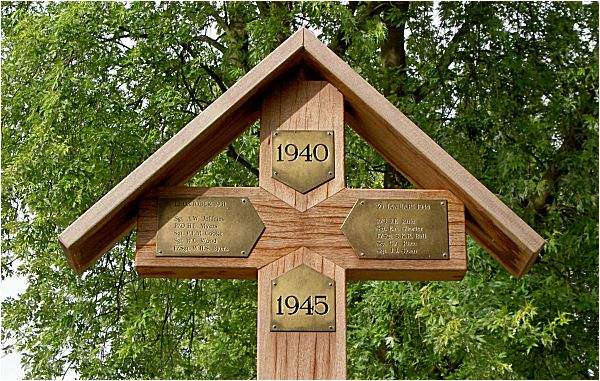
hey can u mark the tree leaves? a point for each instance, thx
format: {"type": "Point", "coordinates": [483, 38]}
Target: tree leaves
{"type": "Point", "coordinates": [508, 89]}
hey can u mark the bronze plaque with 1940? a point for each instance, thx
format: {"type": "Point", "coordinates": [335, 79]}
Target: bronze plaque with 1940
{"type": "Point", "coordinates": [303, 160]}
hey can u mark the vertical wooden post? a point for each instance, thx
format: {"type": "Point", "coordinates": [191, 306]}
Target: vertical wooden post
{"type": "Point", "coordinates": [302, 105]}
{"type": "Point", "coordinates": [301, 355]}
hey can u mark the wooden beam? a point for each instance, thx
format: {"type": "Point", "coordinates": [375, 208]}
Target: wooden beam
{"type": "Point", "coordinates": [504, 234]}
{"type": "Point", "coordinates": [302, 105]}
{"type": "Point", "coordinates": [206, 135]}
{"type": "Point", "coordinates": [301, 355]}
{"type": "Point", "coordinates": [149, 265]}
{"type": "Point", "coordinates": [287, 229]}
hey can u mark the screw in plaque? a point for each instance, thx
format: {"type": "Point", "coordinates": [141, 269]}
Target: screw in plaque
{"type": "Point", "coordinates": [160, 252]}
{"type": "Point", "coordinates": [442, 203]}
{"type": "Point", "coordinates": [274, 326]}
{"type": "Point", "coordinates": [330, 284]}
{"type": "Point", "coordinates": [243, 201]}
{"type": "Point", "coordinates": [275, 173]}
{"type": "Point", "coordinates": [243, 252]}
{"type": "Point", "coordinates": [329, 133]}
{"type": "Point", "coordinates": [275, 134]}
{"type": "Point", "coordinates": [362, 254]}
{"type": "Point", "coordinates": [445, 255]}
{"type": "Point", "coordinates": [362, 202]}
{"type": "Point", "coordinates": [274, 283]}
{"type": "Point", "coordinates": [331, 327]}
{"type": "Point", "coordinates": [329, 173]}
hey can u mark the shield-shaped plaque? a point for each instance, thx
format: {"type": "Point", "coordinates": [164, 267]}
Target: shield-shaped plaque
{"type": "Point", "coordinates": [303, 299]}
{"type": "Point", "coordinates": [303, 160]}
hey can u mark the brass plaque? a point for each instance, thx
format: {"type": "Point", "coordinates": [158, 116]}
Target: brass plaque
{"type": "Point", "coordinates": [398, 229]}
{"type": "Point", "coordinates": [303, 160]}
{"type": "Point", "coordinates": [303, 300]}
{"type": "Point", "coordinates": [207, 227]}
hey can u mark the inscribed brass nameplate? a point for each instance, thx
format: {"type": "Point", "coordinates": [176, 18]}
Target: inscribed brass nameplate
{"type": "Point", "coordinates": [207, 227]}
{"type": "Point", "coordinates": [303, 160]}
{"type": "Point", "coordinates": [303, 299]}
{"type": "Point", "coordinates": [398, 229]}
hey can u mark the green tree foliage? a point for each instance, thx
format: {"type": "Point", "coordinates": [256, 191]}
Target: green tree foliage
{"type": "Point", "coordinates": [89, 90]}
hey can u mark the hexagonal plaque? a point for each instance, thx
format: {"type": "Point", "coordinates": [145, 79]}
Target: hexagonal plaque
{"type": "Point", "coordinates": [207, 227]}
{"type": "Point", "coordinates": [398, 229]}
{"type": "Point", "coordinates": [303, 160]}
{"type": "Point", "coordinates": [303, 299]}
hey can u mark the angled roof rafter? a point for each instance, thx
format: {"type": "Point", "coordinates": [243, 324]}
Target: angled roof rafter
{"type": "Point", "coordinates": [504, 234]}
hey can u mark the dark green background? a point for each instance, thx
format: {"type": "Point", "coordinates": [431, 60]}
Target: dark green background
{"type": "Point", "coordinates": [89, 90]}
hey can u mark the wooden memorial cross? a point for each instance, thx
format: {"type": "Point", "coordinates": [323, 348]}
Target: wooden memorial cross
{"type": "Point", "coordinates": [302, 233]}
{"type": "Point", "coordinates": [302, 143]}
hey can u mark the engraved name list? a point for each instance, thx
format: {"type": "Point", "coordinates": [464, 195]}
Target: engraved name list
{"type": "Point", "coordinates": [207, 226]}
{"type": "Point", "coordinates": [398, 229]}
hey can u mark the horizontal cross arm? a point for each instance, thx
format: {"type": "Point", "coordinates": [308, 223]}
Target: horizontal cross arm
{"type": "Point", "coordinates": [287, 229]}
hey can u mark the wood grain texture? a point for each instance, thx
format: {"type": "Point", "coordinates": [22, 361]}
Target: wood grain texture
{"type": "Point", "coordinates": [195, 145]}
{"type": "Point", "coordinates": [504, 234]}
{"type": "Point", "coordinates": [287, 229]}
{"type": "Point", "coordinates": [301, 105]}
{"type": "Point", "coordinates": [300, 355]}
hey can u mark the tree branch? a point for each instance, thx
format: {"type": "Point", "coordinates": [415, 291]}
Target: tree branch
{"type": "Point", "coordinates": [445, 61]}
{"type": "Point", "coordinates": [393, 53]}
{"type": "Point", "coordinates": [231, 153]}
{"type": "Point", "coordinates": [191, 91]}
{"type": "Point", "coordinates": [212, 42]}
{"type": "Point", "coordinates": [222, 86]}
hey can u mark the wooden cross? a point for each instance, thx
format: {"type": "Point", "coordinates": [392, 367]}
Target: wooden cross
{"type": "Point", "coordinates": [301, 229]}
{"type": "Point", "coordinates": [290, 237]}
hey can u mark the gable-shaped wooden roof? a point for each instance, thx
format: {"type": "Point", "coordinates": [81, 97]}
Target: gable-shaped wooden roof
{"type": "Point", "coordinates": [497, 228]}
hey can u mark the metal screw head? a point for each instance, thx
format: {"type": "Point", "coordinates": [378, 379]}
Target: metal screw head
{"type": "Point", "coordinates": [275, 173]}
{"type": "Point", "coordinates": [442, 203]}
{"type": "Point", "coordinates": [330, 284]}
{"type": "Point", "coordinates": [243, 201]}
{"type": "Point", "coordinates": [274, 326]}
{"type": "Point", "coordinates": [330, 327]}
{"type": "Point", "coordinates": [160, 252]}
{"type": "Point", "coordinates": [362, 254]}
{"type": "Point", "coordinates": [444, 255]}
{"type": "Point", "coordinates": [362, 202]}
{"type": "Point", "coordinates": [243, 252]}
{"type": "Point", "coordinates": [275, 134]}
{"type": "Point", "coordinates": [329, 173]}
{"type": "Point", "coordinates": [274, 283]}
{"type": "Point", "coordinates": [329, 133]}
